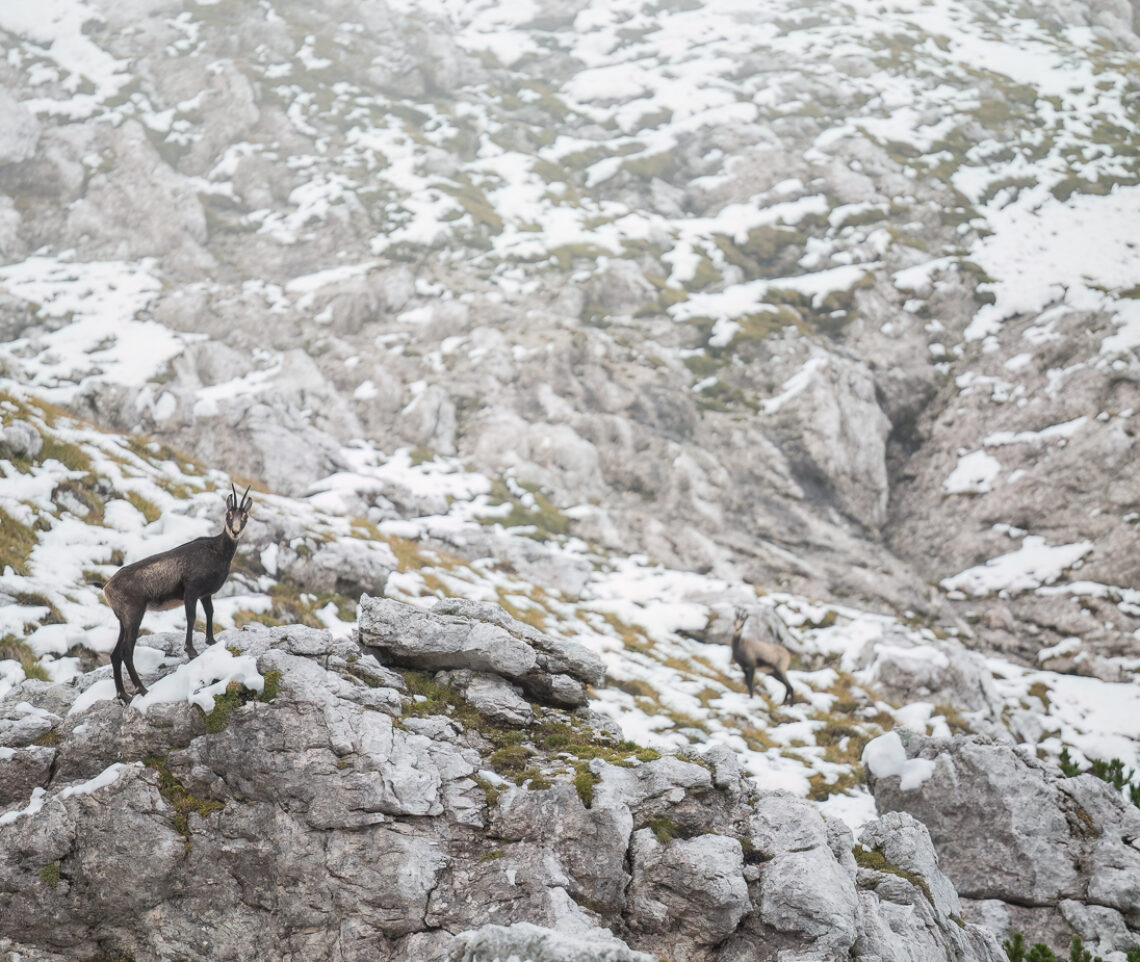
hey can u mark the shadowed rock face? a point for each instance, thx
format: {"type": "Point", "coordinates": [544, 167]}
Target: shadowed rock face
{"type": "Point", "coordinates": [1026, 848]}
{"type": "Point", "coordinates": [331, 796]}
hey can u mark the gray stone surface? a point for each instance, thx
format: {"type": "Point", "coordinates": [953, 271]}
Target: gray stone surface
{"type": "Point", "coordinates": [20, 440]}
{"type": "Point", "coordinates": [523, 940]}
{"type": "Point", "coordinates": [154, 836]}
{"type": "Point", "coordinates": [482, 637]}
{"type": "Point", "coordinates": [697, 884]}
{"type": "Point", "coordinates": [1010, 829]}
{"type": "Point", "coordinates": [489, 694]}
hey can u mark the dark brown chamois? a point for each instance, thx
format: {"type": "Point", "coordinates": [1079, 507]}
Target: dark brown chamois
{"type": "Point", "coordinates": [750, 653]}
{"type": "Point", "coordinates": [180, 576]}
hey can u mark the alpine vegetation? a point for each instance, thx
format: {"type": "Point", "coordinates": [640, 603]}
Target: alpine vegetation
{"type": "Point", "coordinates": [182, 575]}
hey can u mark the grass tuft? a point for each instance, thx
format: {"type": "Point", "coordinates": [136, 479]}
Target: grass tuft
{"type": "Point", "coordinates": [179, 798]}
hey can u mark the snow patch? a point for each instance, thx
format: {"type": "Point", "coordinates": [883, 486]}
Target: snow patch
{"type": "Point", "coordinates": [885, 756]}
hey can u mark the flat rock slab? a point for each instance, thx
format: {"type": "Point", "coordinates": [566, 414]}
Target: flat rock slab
{"type": "Point", "coordinates": [481, 637]}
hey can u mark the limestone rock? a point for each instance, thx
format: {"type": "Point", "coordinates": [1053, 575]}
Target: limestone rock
{"type": "Point", "coordinates": [523, 940]}
{"type": "Point", "coordinates": [489, 694]}
{"type": "Point", "coordinates": [834, 428]}
{"type": "Point", "coordinates": [1046, 840]}
{"type": "Point", "coordinates": [695, 883]}
{"type": "Point", "coordinates": [19, 131]}
{"type": "Point", "coordinates": [481, 637]}
{"type": "Point", "coordinates": [19, 439]}
{"type": "Point", "coordinates": [151, 833]}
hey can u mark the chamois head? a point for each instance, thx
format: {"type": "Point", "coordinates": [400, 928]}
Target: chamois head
{"type": "Point", "coordinates": [237, 513]}
{"type": "Point", "coordinates": [738, 623]}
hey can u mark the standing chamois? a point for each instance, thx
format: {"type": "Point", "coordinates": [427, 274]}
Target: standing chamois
{"type": "Point", "coordinates": [180, 576]}
{"type": "Point", "coordinates": [750, 653]}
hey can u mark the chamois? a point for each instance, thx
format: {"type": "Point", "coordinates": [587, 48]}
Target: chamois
{"type": "Point", "coordinates": [751, 653]}
{"type": "Point", "coordinates": [180, 576]}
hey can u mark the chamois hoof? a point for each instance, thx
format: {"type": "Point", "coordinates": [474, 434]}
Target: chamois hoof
{"type": "Point", "coordinates": [190, 652]}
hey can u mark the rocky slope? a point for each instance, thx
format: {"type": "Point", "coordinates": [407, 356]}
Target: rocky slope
{"type": "Point", "coordinates": [659, 634]}
{"type": "Point", "coordinates": [590, 323]}
{"type": "Point", "coordinates": [838, 301]}
{"type": "Point", "coordinates": [328, 807]}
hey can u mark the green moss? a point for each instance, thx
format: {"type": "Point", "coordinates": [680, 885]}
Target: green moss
{"type": "Point", "coordinates": [246, 616]}
{"type": "Point", "coordinates": [71, 456]}
{"type": "Point", "coordinates": [664, 828]}
{"type": "Point", "coordinates": [539, 513]}
{"type": "Point", "coordinates": [16, 543]}
{"type": "Point", "coordinates": [584, 783]}
{"type": "Point", "coordinates": [83, 491]}
{"type": "Point", "coordinates": [219, 719]}
{"type": "Point", "coordinates": [490, 792]}
{"type": "Point", "coordinates": [179, 798]}
{"type": "Point", "coordinates": [954, 720]}
{"type": "Point", "coordinates": [566, 255]}
{"type": "Point", "coordinates": [272, 686]}
{"type": "Point", "coordinates": [820, 789]}
{"type": "Point", "coordinates": [876, 861]}
{"type": "Point", "coordinates": [829, 618]}
{"type": "Point", "coordinates": [534, 779]}
{"type": "Point", "coordinates": [146, 508]}
{"type": "Point", "coordinates": [663, 166]}
{"type": "Point", "coordinates": [49, 874]}
{"type": "Point", "coordinates": [492, 856]}
{"type": "Point", "coordinates": [765, 243]}
{"type": "Point", "coordinates": [510, 760]}
{"type": "Point", "coordinates": [33, 600]}
{"type": "Point", "coordinates": [702, 365]}
{"type": "Point", "coordinates": [14, 649]}
{"type": "Point", "coordinates": [474, 201]}
{"type": "Point", "coordinates": [637, 687]}
{"type": "Point", "coordinates": [1040, 691]}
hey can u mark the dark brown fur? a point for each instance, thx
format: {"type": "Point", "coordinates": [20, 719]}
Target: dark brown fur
{"type": "Point", "coordinates": [180, 576]}
{"type": "Point", "coordinates": [751, 653]}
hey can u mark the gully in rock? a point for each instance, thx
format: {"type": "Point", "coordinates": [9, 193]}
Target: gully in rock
{"type": "Point", "coordinates": [750, 653]}
{"type": "Point", "coordinates": [180, 576]}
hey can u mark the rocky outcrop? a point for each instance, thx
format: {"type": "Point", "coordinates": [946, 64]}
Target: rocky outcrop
{"type": "Point", "coordinates": [20, 440]}
{"type": "Point", "coordinates": [1026, 848]}
{"type": "Point", "coordinates": [331, 787]}
{"type": "Point", "coordinates": [483, 637]}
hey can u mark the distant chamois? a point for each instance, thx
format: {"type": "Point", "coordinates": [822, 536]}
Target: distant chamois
{"type": "Point", "coordinates": [750, 653]}
{"type": "Point", "coordinates": [180, 576]}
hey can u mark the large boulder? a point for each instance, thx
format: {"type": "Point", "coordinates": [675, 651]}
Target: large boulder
{"type": "Point", "coordinates": [1025, 847]}
{"type": "Point", "coordinates": [458, 634]}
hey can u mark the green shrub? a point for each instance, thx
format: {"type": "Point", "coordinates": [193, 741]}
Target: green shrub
{"type": "Point", "coordinates": [1112, 771]}
{"type": "Point", "coordinates": [1016, 951]}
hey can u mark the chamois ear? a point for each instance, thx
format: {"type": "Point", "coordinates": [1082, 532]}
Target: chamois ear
{"type": "Point", "coordinates": [246, 500]}
{"type": "Point", "coordinates": [231, 499]}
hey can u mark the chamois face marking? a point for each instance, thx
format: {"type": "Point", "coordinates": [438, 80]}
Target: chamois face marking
{"type": "Point", "coordinates": [237, 513]}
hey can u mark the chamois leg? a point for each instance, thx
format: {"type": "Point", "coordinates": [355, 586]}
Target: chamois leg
{"type": "Point", "coordinates": [790, 695]}
{"type": "Point", "coordinates": [191, 613]}
{"type": "Point", "coordinates": [208, 607]}
{"type": "Point", "coordinates": [749, 674]}
{"type": "Point", "coordinates": [128, 655]}
{"type": "Point", "coordinates": [117, 660]}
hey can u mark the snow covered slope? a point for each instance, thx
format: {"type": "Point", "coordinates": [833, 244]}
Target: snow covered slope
{"type": "Point", "coordinates": [87, 501]}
